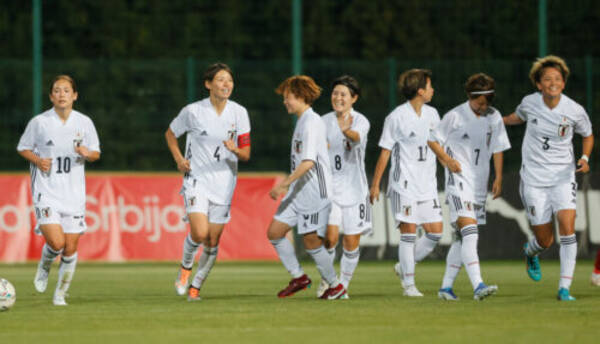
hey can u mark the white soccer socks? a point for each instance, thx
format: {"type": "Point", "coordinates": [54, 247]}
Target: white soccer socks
{"type": "Point", "coordinates": [425, 245]}
{"type": "Point", "coordinates": [533, 248]}
{"type": "Point", "coordinates": [331, 252]}
{"type": "Point", "coordinates": [348, 264]}
{"type": "Point", "coordinates": [190, 248]}
{"type": "Point", "coordinates": [65, 276]}
{"type": "Point", "coordinates": [205, 264]}
{"type": "Point", "coordinates": [469, 254]}
{"type": "Point", "coordinates": [287, 255]}
{"type": "Point", "coordinates": [568, 256]}
{"type": "Point", "coordinates": [453, 264]}
{"type": "Point", "coordinates": [406, 257]}
{"type": "Point", "coordinates": [324, 265]}
{"type": "Point", "coordinates": [40, 281]}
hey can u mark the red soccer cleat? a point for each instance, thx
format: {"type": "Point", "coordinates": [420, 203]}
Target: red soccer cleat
{"type": "Point", "coordinates": [334, 293]}
{"type": "Point", "coordinates": [296, 284]}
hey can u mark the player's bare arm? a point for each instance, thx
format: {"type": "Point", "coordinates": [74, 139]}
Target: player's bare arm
{"type": "Point", "coordinates": [42, 163]}
{"type": "Point", "coordinates": [497, 185]}
{"type": "Point", "coordinates": [282, 187]}
{"type": "Point", "coordinates": [445, 159]}
{"type": "Point", "coordinates": [382, 162]}
{"type": "Point", "coordinates": [512, 119]}
{"type": "Point", "coordinates": [183, 165]}
{"type": "Point", "coordinates": [242, 154]}
{"type": "Point", "coordinates": [587, 146]}
{"type": "Point", "coordinates": [345, 125]}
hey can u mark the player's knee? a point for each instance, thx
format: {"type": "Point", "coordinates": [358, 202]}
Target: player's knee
{"type": "Point", "coordinates": [56, 244]}
{"type": "Point", "coordinates": [545, 242]}
{"type": "Point", "coordinates": [330, 241]}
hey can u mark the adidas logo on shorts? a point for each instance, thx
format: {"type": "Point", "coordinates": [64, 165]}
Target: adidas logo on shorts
{"type": "Point", "coordinates": [465, 136]}
{"type": "Point", "coordinates": [50, 143]}
{"type": "Point", "coordinates": [412, 134]}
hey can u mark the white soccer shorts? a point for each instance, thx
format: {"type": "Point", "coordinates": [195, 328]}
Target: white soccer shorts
{"type": "Point", "coordinates": [196, 202]}
{"type": "Point", "coordinates": [46, 215]}
{"type": "Point", "coordinates": [352, 220]}
{"type": "Point", "coordinates": [305, 222]}
{"type": "Point", "coordinates": [461, 206]}
{"type": "Point", "coordinates": [541, 202]}
{"type": "Point", "coordinates": [417, 212]}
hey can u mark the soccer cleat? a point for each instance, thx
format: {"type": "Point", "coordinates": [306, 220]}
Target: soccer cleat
{"type": "Point", "coordinates": [563, 295]}
{"type": "Point", "coordinates": [59, 298]}
{"type": "Point", "coordinates": [323, 286]}
{"type": "Point", "coordinates": [193, 294]}
{"type": "Point", "coordinates": [595, 279]}
{"type": "Point", "coordinates": [412, 291]}
{"type": "Point", "coordinates": [398, 271]}
{"type": "Point", "coordinates": [533, 265]}
{"type": "Point", "coordinates": [181, 283]}
{"type": "Point", "coordinates": [335, 293]}
{"type": "Point", "coordinates": [482, 291]}
{"type": "Point", "coordinates": [40, 281]}
{"type": "Point", "coordinates": [295, 285]}
{"type": "Point", "coordinates": [447, 294]}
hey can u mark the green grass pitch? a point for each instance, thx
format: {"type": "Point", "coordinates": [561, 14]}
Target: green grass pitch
{"type": "Point", "coordinates": [136, 303]}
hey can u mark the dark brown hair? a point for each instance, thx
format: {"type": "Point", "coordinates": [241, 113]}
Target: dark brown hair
{"type": "Point", "coordinates": [214, 68]}
{"type": "Point", "coordinates": [349, 82]}
{"type": "Point", "coordinates": [63, 77]}
{"type": "Point", "coordinates": [412, 80]}
{"type": "Point", "coordinates": [480, 84]}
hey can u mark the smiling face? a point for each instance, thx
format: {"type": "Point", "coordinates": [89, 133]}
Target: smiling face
{"type": "Point", "coordinates": [294, 105]}
{"type": "Point", "coordinates": [62, 95]}
{"type": "Point", "coordinates": [551, 83]}
{"type": "Point", "coordinates": [221, 85]}
{"type": "Point", "coordinates": [342, 99]}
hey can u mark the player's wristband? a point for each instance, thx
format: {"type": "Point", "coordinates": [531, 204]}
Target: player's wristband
{"type": "Point", "coordinates": [584, 157]}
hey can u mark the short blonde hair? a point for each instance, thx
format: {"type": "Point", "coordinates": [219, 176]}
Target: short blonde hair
{"type": "Point", "coordinates": [301, 86]}
{"type": "Point", "coordinates": [537, 69]}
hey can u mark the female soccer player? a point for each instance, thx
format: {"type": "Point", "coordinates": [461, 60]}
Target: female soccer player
{"type": "Point", "coordinates": [548, 168]}
{"type": "Point", "coordinates": [307, 190]}
{"type": "Point", "coordinates": [218, 135]}
{"type": "Point", "coordinates": [347, 132]}
{"type": "Point", "coordinates": [473, 133]}
{"type": "Point", "coordinates": [412, 185]}
{"type": "Point", "coordinates": [57, 143]}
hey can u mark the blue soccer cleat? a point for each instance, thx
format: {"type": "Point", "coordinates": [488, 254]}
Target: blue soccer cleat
{"type": "Point", "coordinates": [482, 291]}
{"type": "Point", "coordinates": [447, 294]}
{"type": "Point", "coordinates": [563, 295]}
{"type": "Point", "coordinates": [533, 265]}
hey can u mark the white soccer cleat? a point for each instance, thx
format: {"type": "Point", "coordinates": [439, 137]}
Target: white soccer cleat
{"type": "Point", "coordinates": [595, 279]}
{"type": "Point", "coordinates": [412, 291]}
{"type": "Point", "coordinates": [398, 271]}
{"type": "Point", "coordinates": [40, 281]}
{"type": "Point", "coordinates": [482, 291]}
{"type": "Point", "coordinates": [59, 298]}
{"type": "Point", "coordinates": [323, 286]}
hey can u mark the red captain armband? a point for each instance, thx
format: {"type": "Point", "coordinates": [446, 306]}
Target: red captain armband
{"type": "Point", "coordinates": [243, 140]}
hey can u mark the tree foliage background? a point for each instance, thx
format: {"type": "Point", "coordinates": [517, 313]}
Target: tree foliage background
{"type": "Point", "coordinates": [132, 61]}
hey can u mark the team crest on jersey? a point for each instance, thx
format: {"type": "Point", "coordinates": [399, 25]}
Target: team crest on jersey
{"type": "Point", "coordinates": [488, 137]}
{"type": "Point", "coordinates": [46, 212]}
{"type": "Point", "coordinates": [407, 210]}
{"type": "Point", "coordinates": [532, 210]}
{"type": "Point", "coordinates": [192, 201]}
{"type": "Point", "coordinates": [468, 205]}
{"type": "Point", "coordinates": [563, 128]}
{"type": "Point", "coordinates": [297, 146]}
{"type": "Point", "coordinates": [347, 145]}
{"type": "Point", "coordinates": [231, 134]}
{"type": "Point", "coordinates": [78, 139]}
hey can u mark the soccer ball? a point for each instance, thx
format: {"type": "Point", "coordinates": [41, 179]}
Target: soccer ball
{"type": "Point", "coordinates": [8, 296]}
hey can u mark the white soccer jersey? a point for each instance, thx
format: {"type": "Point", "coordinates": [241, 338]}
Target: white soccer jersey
{"type": "Point", "coordinates": [412, 173]}
{"type": "Point", "coordinates": [312, 191]}
{"type": "Point", "coordinates": [547, 150]}
{"type": "Point", "coordinates": [63, 187]}
{"type": "Point", "coordinates": [213, 167]}
{"type": "Point", "coordinates": [471, 140]}
{"type": "Point", "coordinates": [347, 159]}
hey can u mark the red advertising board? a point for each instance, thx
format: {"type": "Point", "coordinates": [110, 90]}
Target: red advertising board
{"type": "Point", "coordinates": [139, 217]}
